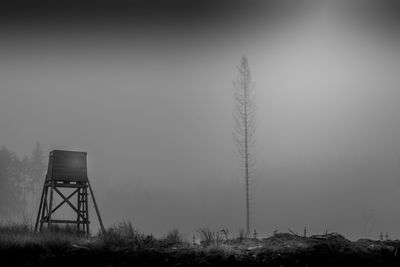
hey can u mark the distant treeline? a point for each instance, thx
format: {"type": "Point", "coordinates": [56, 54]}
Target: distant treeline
{"type": "Point", "coordinates": [20, 183]}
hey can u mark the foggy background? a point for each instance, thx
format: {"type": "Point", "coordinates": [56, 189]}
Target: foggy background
{"type": "Point", "coordinates": [146, 89]}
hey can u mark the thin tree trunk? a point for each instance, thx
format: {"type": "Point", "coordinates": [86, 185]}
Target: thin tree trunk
{"type": "Point", "coordinates": [247, 163]}
{"type": "Point", "coordinates": [244, 128]}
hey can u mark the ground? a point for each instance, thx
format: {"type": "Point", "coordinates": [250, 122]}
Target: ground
{"type": "Point", "coordinates": [123, 246]}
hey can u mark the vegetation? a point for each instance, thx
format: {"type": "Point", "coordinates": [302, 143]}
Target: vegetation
{"type": "Point", "coordinates": [20, 183]}
{"type": "Point", "coordinates": [211, 237]}
{"type": "Point", "coordinates": [21, 235]}
{"type": "Point", "coordinates": [123, 245]}
{"type": "Point", "coordinates": [124, 235]}
{"type": "Point", "coordinates": [174, 237]}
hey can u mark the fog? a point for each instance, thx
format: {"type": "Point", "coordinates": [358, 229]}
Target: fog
{"type": "Point", "coordinates": [147, 91]}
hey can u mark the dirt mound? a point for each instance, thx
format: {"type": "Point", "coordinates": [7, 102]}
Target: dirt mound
{"type": "Point", "coordinates": [289, 243]}
{"type": "Point", "coordinates": [286, 241]}
{"type": "Point", "coordinates": [372, 247]}
{"type": "Point", "coordinates": [331, 237]}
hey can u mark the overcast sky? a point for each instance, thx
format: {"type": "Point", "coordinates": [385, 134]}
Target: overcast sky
{"type": "Point", "coordinates": [146, 89]}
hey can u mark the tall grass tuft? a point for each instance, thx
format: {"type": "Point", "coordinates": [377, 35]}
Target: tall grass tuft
{"type": "Point", "coordinates": [210, 237]}
{"type": "Point", "coordinates": [125, 235]}
{"type": "Point", "coordinates": [173, 237]}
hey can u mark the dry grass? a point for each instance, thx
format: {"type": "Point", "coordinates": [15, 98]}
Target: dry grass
{"type": "Point", "coordinates": [210, 237]}
{"type": "Point", "coordinates": [122, 235]}
{"type": "Point", "coordinates": [174, 237]}
{"type": "Point", "coordinates": [23, 235]}
{"type": "Point", "coordinates": [125, 235]}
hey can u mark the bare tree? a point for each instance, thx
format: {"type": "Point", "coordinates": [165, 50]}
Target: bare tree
{"type": "Point", "coordinates": [244, 127]}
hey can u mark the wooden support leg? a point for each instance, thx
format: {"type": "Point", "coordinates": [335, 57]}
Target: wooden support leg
{"type": "Point", "coordinates": [87, 211]}
{"type": "Point", "coordinates": [78, 218]}
{"type": "Point", "coordinates": [40, 208]}
{"type": "Point", "coordinates": [97, 210]}
{"type": "Point", "coordinates": [45, 209]}
{"type": "Point", "coordinates": [50, 205]}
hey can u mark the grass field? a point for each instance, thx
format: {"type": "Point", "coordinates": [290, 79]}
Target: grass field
{"type": "Point", "coordinates": [123, 245]}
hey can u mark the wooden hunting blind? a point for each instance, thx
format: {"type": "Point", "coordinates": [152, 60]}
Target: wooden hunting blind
{"type": "Point", "coordinates": [67, 170]}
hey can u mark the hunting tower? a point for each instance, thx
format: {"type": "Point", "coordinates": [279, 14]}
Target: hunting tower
{"type": "Point", "coordinates": [67, 170]}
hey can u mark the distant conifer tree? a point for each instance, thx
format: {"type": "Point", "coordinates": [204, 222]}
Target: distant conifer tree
{"type": "Point", "coordinates": [37, 172]}
{"type": "Point", "coordinates": [11, 199]}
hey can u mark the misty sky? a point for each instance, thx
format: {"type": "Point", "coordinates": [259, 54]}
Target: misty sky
{"type": "Point", "coordinates": [146, 90]}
